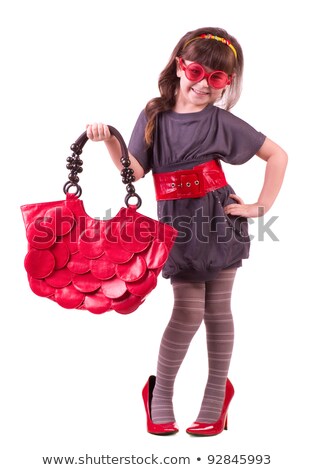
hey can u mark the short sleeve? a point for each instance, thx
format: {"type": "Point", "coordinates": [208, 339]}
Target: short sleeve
{"type": "Point", "coordinates": [137, 145]}
{"type": "Point", "coordinates": [241, 140]}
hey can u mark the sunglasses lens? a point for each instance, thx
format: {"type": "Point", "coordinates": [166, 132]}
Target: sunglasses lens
{"type": "Point", "coordinates": [194, 72]}
{"type": "Point", "coordinates": [218, 79]}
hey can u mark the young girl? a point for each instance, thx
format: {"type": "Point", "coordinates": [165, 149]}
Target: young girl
{"type": "Point", "coordinates": [182, 136]}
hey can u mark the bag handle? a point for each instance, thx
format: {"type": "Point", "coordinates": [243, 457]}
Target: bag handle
{"type": "Point", "coordinates": [74, 164]}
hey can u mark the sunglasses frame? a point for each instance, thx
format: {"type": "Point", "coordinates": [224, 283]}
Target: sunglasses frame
{"type": "Point", "coordinates": [205, 74]}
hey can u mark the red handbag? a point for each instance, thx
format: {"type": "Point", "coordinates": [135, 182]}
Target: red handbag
{"type": "Point", "coordinates": [91, 264]}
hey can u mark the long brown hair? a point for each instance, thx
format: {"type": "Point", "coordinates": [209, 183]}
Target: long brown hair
{"type": "Point", "coordinates": [211, 53]}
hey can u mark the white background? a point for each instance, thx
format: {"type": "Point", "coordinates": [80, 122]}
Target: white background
{"type": "Point", "coordinates": [71, 381]}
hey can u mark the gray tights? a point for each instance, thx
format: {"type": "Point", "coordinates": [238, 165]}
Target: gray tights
{"type": "Point", "coordinates": [194, 302]}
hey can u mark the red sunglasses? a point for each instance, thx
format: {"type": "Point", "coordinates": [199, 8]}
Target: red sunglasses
{"type": "Point", "coordinates": [195, 73]}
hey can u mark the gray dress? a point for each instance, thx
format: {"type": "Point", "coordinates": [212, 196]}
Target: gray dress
{"type": "Point", "coordinates": [208, 240]}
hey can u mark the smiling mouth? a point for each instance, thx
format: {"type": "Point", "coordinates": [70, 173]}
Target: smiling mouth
{"type": "Point", "coordinates": [199, 92]}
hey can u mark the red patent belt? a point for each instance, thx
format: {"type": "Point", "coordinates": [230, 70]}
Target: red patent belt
{"type": "Point", "coordinates": [192, 183]}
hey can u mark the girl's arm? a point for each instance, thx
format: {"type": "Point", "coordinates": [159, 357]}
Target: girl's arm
{"type": "Point", "coordinates": [276, 159]}
{"type": "Point", "coordinates": [98, 132]}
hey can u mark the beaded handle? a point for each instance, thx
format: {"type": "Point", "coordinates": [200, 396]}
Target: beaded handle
{"type": "Point", "coordinates": [74, 164]}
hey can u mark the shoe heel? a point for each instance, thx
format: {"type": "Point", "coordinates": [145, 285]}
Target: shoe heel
{"type": "Point", "coordinates": [226, 423]}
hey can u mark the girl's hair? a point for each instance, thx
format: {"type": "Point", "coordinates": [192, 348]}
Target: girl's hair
{"type": "Point", "coordinates": [212, 53]}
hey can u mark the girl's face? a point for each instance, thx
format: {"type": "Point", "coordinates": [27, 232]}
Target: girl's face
{"type": "Point", "coordinates": [194, 96]}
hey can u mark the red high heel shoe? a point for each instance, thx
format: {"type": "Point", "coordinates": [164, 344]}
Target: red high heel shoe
{"type": "Point", "coordinates": [211, 429]}
{"type": "Point", "coordinates": [155, 428]}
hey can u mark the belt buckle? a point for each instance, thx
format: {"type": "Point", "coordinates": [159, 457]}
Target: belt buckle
{"type": "Point", "coordinates": [192, 184]}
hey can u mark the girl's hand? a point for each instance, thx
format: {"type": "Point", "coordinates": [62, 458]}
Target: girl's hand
{"type": "Point", "coordinates": [98, 132]}
{"type": "Point", "coordinates": [243, 210]}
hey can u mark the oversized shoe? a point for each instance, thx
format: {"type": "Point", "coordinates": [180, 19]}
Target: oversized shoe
{"type": "Point", "coordinates": [155, 428]}
{"type": "Point", "coordinates": [211, 429]}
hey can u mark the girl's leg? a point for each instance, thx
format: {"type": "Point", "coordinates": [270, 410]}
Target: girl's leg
{"type": "Point", "coordinates": [187, 315]}
{"type": "Point", "coordinates": [220, 337]}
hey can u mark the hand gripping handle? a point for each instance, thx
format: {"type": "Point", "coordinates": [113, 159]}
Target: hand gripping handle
{"type": "Point", "coordinates": [74, 164]}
